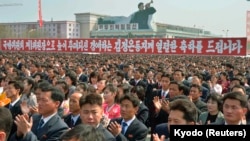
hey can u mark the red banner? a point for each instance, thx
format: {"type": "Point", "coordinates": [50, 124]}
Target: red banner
{"type": "Point", "coordinates": [196, 46]}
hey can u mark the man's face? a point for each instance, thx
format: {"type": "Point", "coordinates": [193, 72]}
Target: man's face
{"type": "Point", "coordinates": [127, 110]}
{"type": "Point", "coordinates": [165, 81]}
{"type": "Point", "coordinates": [141, 6]}
{"type": "Point", "coordinates": [233, 112]}
{"type": "Point", "coordinates": [194, 93]}
{"type": "Point", "coordinates": [74, 106]}
{"type": "Point", "coordinates": [174, 90]}
{"type": "Point", "coordinates": [176, 118]}
{"type": "Point", "coordinates": [178, 76]}
{"type": "Point", "coordinates": [47, 106]}
{"type": "Point", "coordinates": [11, 91]}
{"type": "Point", "coordinates": [91, 114]}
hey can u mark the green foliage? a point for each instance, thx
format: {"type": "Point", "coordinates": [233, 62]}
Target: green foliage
{"type": "Point", "coordinates": [5, 32]}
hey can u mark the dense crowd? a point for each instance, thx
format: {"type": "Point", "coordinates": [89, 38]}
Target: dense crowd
{"type": "Point", "coordinates": [84, 97]}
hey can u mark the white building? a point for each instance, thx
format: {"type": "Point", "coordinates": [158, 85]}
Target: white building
{"type": "Point", "coordinates": [50, 29]}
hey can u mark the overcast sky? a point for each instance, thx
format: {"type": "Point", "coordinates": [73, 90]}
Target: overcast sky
{"type": "Point", "coordinates": [213, 15]}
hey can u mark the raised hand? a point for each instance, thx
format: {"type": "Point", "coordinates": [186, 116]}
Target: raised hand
{"type": "Point", "coordinates": [25, 107]}
{"type": "Point", "coordinates": [24, 124]}
{"type": "Point", "coordinates": [115, 128]}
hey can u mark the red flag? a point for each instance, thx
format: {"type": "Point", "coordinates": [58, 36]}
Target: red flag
{"type": "Point", "coordinates": [40, 13]}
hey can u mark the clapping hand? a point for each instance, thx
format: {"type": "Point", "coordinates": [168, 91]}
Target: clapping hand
{"type": "Point", "coordinates": [25, 107]}
{"type": "Point", "coordinates": [24, 124]}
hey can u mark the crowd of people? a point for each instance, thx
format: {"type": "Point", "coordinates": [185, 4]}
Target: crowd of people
{"type": "Point", "coordinates": [111, 97]}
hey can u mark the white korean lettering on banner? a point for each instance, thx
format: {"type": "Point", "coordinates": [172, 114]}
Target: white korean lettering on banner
{"type": "Point", "coordinates": [118, 45]}
{"type": "Point", "coordinates": [7, 44]}
{"type": "Point", "coordinates": [106, 46]}
{"type": "Point", "coordinates": [51, 44]}
{"type": "Point", "coordinates": [232, 46]}
{"type": "Point", "coordinates": [79, 45]}
{"type": "Point", "coordinates": [61, 46]}
{"type": "Point", "coordinates": [125, 45]}
{"type": "Point", "coordinates": [199, 46]}
{"type": "Point", "coordinates": [34, 46]}
{"type": "Point", "coordinates": [219, 46]}
{"type": "Point", "coordinates": [183, 46]}
{"type": "Point", "coordinates": [191, 46]}
{"type": "Point", "coordinates": [38, 45]}
{"type": "Point", "coordinates": [131, 46]}
{"type": "Point", "coordinates": [76, 46]}
{"type": "Point", "coordinates": [28, 44]}
{"type": "Point", "coordinates": [151, 45]}
{"type": "Point", "coordinates": [148, 45]}
{"type": "Point", "coordinates": [159, 46]}
{"type": "Point", "coordinates": [195, 48]}
{"type": "Point", "coordinates": [15, 45]}
{"type": "Point", "coordinates": [237, 46]}
{"type": "Point", "coordinates": [139, 46]}
{"type": "Point", "coordinates": [210, 47]}
{"type": "Point", "coordinates": [170, 46]}
{"type": "Point", "coordinates": [95, 45]}
{"type": "Point", "coordinates": [166, 45]}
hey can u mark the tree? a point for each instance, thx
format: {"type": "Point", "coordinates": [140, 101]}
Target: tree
{"type": "Point", "coordinates": [5, 32]}
{"type": "Point", "coordinates": [35, 33]}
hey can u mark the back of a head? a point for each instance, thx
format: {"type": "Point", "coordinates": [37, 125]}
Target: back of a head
{"type": "Point", "coordinates": [83, 132]}
{"type": "Point", "coordinates": [187, 107]}
{"type": "Point", "coordinates": [6, 121]}
{"type": "Point", "coordinates": [89, 133]}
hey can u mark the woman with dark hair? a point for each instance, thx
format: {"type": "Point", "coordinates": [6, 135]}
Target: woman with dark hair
{"type": "Point", "coordinates": [63, 86]}
{"type": "Point", "coordinates": [213, 113]}
{"type": "Point", "coordinates": [71, 80]}
{"type": "Point", "coordinates": [93, 77]}
{"type": "Point", "coordinates": [110, 106]}
{"type": "Point", "coordinates": [28, 98]}
{"type": "Point", "coordinates": [224, 82]}
{"type": "Point", "coordinates": [143, 111]}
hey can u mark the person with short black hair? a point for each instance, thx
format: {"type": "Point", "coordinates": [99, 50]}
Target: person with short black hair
{"type": "Point", "coordinates": [6, 122]}
{"type": "Point", "coordinates": [128, 127]}
{"type": "Point", "coordinates": [92, 113]}
{"type": "Point", "coordinates": [182, 112]}
{"type": "Point", "coordinates": [82, 132]}
{"type": "Point", "coordinates": [45, 126]}
{"type": "Point", "coordinates": [234, 108]}
{"type": "Point", "coordinates": [13, 92]}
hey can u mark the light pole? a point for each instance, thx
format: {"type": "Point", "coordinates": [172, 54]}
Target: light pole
{"type": "Point", "coordinates": [225, 32]}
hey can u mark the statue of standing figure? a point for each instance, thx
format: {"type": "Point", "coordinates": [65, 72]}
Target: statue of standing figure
{"type": "Point", "coordinates": [142, 16]}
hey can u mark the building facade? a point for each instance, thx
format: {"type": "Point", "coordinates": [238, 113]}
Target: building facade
{"type": "Point", "coordinates": [88, 25]}
{"type": "Point", "coordinates": [50, 29]}
{"type": "Point", "coordinates": [90, 28]}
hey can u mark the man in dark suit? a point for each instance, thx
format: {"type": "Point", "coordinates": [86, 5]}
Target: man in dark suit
{"type": "Point", "coordinates": [92, 113]}
{"type": "Point", "coordinates": [47, 125]}
{"type": "Point", "coordinates": [6, 122]}
{"type": "Point", "coordinates": [81, 77]}
{"type": "Point", "coordinates": [128, 127]}
{"type": "Point", "coordinates": [138, 81]}
{"type": "Point", "coordinates": [73, 118]}
{"type": "Point", "coordinates": [156, 114]}
{"type": "Point", "coordinates": [234, 109]}
{"type": "Point", "coordinates": [13, 92]}
{"type": "Point", "coordinates": [182, 112]}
